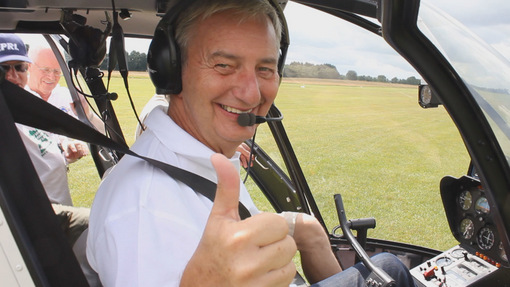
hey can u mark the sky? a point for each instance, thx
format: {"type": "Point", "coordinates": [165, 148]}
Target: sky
{"type": "Point", "coordinates": [319, 38]}
{"type": "Point", "coordinates": [351, 48]}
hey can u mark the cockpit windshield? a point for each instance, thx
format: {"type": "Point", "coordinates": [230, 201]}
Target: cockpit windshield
{"type": "Point", "coordinates": [484, 71]}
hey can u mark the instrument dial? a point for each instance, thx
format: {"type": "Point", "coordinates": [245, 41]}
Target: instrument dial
{"type": "Point", "coordinates": [458, 253]}
{"type": "Point", "coordinates": [482, 206]}
{"type": "Point", "coordinates": [443, 261]}
{"type": "Point", "coordinates": [485, 238]}
{"type": "Point", "coordinates": [467, 228]}
{"type": "Point", "coordinates": [465, 200]}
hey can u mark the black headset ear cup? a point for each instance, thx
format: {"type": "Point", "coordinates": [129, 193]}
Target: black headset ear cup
{"type": "Point", "coordinates": [164, 61]}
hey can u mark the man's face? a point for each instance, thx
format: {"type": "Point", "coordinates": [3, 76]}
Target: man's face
{"type": "Point", "coordinates": [17, 73]}
{"type": "Point", "coordinates": [231, 68]}
{"type": "Point", "coordinates": [44, 73]}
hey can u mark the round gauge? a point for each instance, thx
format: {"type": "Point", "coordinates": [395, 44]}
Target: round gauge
{"type": "Point", "coordinates": [443, 261]}
{"type": "Point", "coordinates": [502, 252]}
{"type": "Point", "coordinates": [482, 206]}
{"type": "Point", "coordinates": [465, 200]}
{"type": "Point", "coordinates": [485, 238]}
{"type": "Point", "coordinates": [467, 228]}
{"type": "Point", "coordinates": [458, 253]}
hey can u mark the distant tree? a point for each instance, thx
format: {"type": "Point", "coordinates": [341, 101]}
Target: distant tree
{"type": "Point", "coordinates": [412, 81]}
{"type": "Point", "coordinates": [136, 61]}
{"type": "Point", "coordinates": [394, 80]}
{"type": "Point", "coordinates": [351, 75]}
{"type": "Point", "coordinates": [290, 72]}
{"type": "Point", "coordinates": [327, 72]}
{"type": "Point", "coordinates": [367, 78]}
{"type": "Point", "coordinates": [382, 79]}
{"type": "Point", "coordinates": [309, 70]}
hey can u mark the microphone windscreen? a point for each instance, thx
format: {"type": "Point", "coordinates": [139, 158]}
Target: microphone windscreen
{"type": "Point", "coordinates": [246, 119]}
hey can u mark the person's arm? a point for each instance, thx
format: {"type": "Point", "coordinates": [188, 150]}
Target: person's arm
{"type": "Point", "coordinates": [317, 258]}
{"type": "Point", "coordinates": [91, 116]}
{"type": "Point", "coordinates": [253, 252]}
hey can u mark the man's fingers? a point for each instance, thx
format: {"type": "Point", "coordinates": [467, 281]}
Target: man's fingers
{"type": "Point", "coordinates": [279, 277]}
{"type": "Point", "coordinates": [266, 228]}
{"type": "Point", "coordinates": [226, 202]}
{"type": "Point", "coordinates": [72, 147]}
{"type": "Point", "coordinates": [285, 248]}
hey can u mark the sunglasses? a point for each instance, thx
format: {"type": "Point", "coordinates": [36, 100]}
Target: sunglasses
{"type": "Point", "coordinates": [22, 68]}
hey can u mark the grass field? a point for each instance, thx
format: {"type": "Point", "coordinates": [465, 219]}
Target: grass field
{"type": "Point", "coordinates": [370, 142]}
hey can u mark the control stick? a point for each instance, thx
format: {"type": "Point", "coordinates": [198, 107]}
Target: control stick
{"type": "Point", "coordinates": [377, 276]}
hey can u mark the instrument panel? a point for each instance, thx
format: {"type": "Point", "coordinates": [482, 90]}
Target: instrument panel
{"type": "Point", "coordinates": [480, 258]}
{"type": "Point", "coordinates": [470, 218]}
{"type": "Point", "coordinates": [454, 267]}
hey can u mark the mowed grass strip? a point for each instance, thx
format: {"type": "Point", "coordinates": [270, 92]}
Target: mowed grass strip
{"type": "Point", "coordinates": [370, 142]}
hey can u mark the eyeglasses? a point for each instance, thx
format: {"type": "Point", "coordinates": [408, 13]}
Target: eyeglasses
{"type": "Point", "coordinates": [47, 71]}
{"type": "Point", "coordinates": [22, 68]}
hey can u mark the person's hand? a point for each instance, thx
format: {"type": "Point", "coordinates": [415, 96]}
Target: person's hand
{"type": "Point", "coordinates": [253, 252]}
{"type": "Point", "coordinates": [74, 150]}
{"type": "Point", "coordinates": [244, 149]}
{"type": "Point", "coordinates": [317, 258]}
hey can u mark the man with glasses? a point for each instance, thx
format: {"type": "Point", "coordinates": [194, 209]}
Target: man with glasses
{"type": "Point", "coordinates": [49, 154]}
{"type": "Point", "coordinates": [43, 81]}
{"type": "Point", "coordinates": [13, 59]}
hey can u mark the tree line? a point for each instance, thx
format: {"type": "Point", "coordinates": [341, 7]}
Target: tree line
{"type": "Point", "coordinates": [328, 71]}
{"type": "Point", "coordinates": [138, 62]}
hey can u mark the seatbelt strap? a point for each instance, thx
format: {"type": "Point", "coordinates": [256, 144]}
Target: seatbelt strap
{"type": "Point", "coordinates": [32, 111]}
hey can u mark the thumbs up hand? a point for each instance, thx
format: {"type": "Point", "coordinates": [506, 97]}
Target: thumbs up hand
{"type": "Point", "coordinates": [253, 252]}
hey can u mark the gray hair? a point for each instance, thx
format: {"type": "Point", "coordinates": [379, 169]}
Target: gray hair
{"type": "Point", "coordinates": [201, 10]}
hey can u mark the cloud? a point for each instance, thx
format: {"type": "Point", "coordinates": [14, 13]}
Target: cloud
{"type": "Point", "coordinates": [317, 37]}
{"type": "Point", "coordinates": [320, 38]}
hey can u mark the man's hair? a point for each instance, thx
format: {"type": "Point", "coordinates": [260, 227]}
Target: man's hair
{"type": "Point", "coordinates": [34, 52]}
{"type": "Point", "coordinates": [201, 10]}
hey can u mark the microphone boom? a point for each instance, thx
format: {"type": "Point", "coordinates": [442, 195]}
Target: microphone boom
{"type": "Point", "coordinates": [249, 119]}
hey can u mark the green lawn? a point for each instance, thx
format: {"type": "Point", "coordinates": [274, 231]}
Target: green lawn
{"type": "Point", "coordinates": [371, 143]}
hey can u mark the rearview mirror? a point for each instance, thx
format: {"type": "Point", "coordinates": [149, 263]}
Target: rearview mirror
{"type": "Point", "coordinates": [427, 98]}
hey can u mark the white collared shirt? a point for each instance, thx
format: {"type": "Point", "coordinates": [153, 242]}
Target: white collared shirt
{"type": "Point", "coordinates": [144, 225]}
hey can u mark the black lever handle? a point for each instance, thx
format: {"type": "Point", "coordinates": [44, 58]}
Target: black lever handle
{"type": "Point", "coordinates": [377, 276]}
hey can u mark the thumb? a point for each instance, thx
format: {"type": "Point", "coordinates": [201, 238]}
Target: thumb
{"type": "Point", "coordinates": [226, 201]}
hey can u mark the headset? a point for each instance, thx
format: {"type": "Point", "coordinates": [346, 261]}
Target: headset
{"type": "Point", "coordinates": [164, 57]}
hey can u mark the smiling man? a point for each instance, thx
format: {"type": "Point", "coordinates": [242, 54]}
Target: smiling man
{"type": "Point", "coordinates": [146, 225]}
{"type": "Point", "coordinates": [149, 229]}
{"type": "Point", "coordinates": [44, 77]}
{"type": "Point", "coordinates": [43, 81]}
